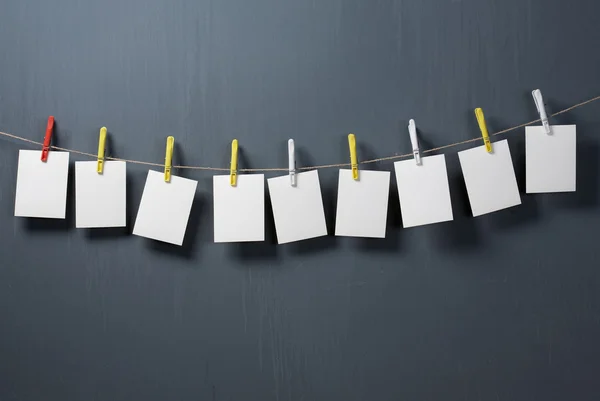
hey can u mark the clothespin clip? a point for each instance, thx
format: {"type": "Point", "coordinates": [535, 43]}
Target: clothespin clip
{"type": "Point", "coordinates": [412, 130]}
{"type": "Point", "coordinates": [353, 158]}
{"type": "Point", "coordinates": [101, 150]}
{"type": "Point", "coordinates": [292, 162]}
{"type": "Point", "coordinates": [539, 104]}
{"type": "Point", "coordinates": [169, 158]}
{"type": "Point", "coordinates": [233, 166]}
{"type": "Point", "coordinates": [484, 130]}
{"type": "Point", "coordinates": [47, 139]}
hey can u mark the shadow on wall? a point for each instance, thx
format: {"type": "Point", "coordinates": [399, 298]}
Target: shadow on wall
{"type": "Point", "coordinates": [463, 233]}
{"type": "Point", "coordinates": [588, 163]}
{"type": "Point", "coordinates": [529, 211]}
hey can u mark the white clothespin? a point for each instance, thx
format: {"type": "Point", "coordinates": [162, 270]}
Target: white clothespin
{"type": "Point", "coordinates": [292, 162]}
{"type": "Point", "coordinates": [539, 104]}
{"type": "Point", "coordinates": [412, 130]}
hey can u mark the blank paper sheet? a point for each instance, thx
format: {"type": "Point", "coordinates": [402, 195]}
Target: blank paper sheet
{"type": "Point", "coordinates": [423, 191]}
{"type": "Point", "coordinates": [298, 211]}
{"type": "Point", "coordinates": [490, 178]}
{"type": "Point", "coordinates": [362, 204]}
{"type": "Point", "coordinates": [100, 199]}
{"type": "Point", "coordinates": [551, 159]}
{"type": "Point", "coordinates": [42, 186]}
{"type": "Point", "coordinates": [239, 211]}
{"type": "Point", "coordinates": [165, 208]}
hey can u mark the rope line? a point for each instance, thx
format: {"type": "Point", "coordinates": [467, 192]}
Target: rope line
{"type": "Point", "coordinates": [322, 166]}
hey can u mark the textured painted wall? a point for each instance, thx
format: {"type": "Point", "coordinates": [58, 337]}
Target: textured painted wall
{"type": "Point", "coordinates": [502, 307]}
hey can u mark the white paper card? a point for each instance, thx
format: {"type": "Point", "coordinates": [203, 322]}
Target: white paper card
{"type": "Point", "coordinates": [298, 211]}
{"type": "Point", "coordinates": [362, 205]}
{"type": "Point", "coordinates": [423, 191]}
{"type": "Point", "coordinates": [490, 178]}
{"type": "Point", "coordinates": [42, 186]}
{"type": "Point", "coordinates": [240, 210]}
{"type": "Point", "coordinates": [165, 208]}
{"type": "Point", "coordinates": [550, 159]}
{"type": "Point", "coordinates": [100, 199]}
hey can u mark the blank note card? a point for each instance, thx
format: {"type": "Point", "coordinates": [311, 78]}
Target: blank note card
{"type": "Point", "coordinates": [298, 211]}
{"type": "Point", "coordinates": [42, 186]}
{"type": "Point", "coordinates": [165, 208]}
{"type": "Point", "coordinates": [423, 191]}
{"type": "Point", "coordinates": [100, 199]}
{"type": "Point", "coordinates": [551, 159]}
{"type": "Point", "coordinates": [240, 210]}
{"type": "Point", "coordinates": [362, 204]}
{"type": "Point", "coordinates": [490, 178]}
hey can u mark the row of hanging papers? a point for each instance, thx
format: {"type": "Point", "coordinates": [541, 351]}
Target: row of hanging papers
{"type": "Point", "coordinates": [239, 199]}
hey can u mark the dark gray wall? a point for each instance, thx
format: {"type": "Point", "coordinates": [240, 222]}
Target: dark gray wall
{"type": "Point", "coordinates": [502, 307]}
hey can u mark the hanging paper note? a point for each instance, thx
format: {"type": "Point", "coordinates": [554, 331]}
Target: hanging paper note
{"type": "Point", "coordinates": [165, 208]}
{"type": "Point", "coordinates": [490, 178]}
{"type": "Point", "coordinates": [239, 211]}
{"type": "Point", "coordinates": [298, 210]}
{"type": "Point", "coordinates": [423, 191]}
{"type": "Point", "coordinates": [362, 204]}
{"type": "Point", "coordinates": [100, 199]}
{"type": "Point", "coordinates": [550, 159]}
{"type": "Point", "coordinates": [42, 186]}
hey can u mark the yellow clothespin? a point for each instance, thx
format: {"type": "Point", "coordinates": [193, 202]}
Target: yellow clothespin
{"type": "Point", "coordinates": [234, 160]}
{"type": "Point", "coordinates": [169, 158]}
{"type": "Point", "coordinates": [101, 150]}
{"type": "Point", "coordinates": [353, 158]}
{"type": "Point", "coordinates": [484, 130]}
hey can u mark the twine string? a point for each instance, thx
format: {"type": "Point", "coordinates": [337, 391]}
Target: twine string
{"type": "Point", "coordinates": [317, 167]}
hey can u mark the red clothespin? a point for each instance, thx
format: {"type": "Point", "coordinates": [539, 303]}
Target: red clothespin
{"type": "Point", "coordinates": [47, 138]}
